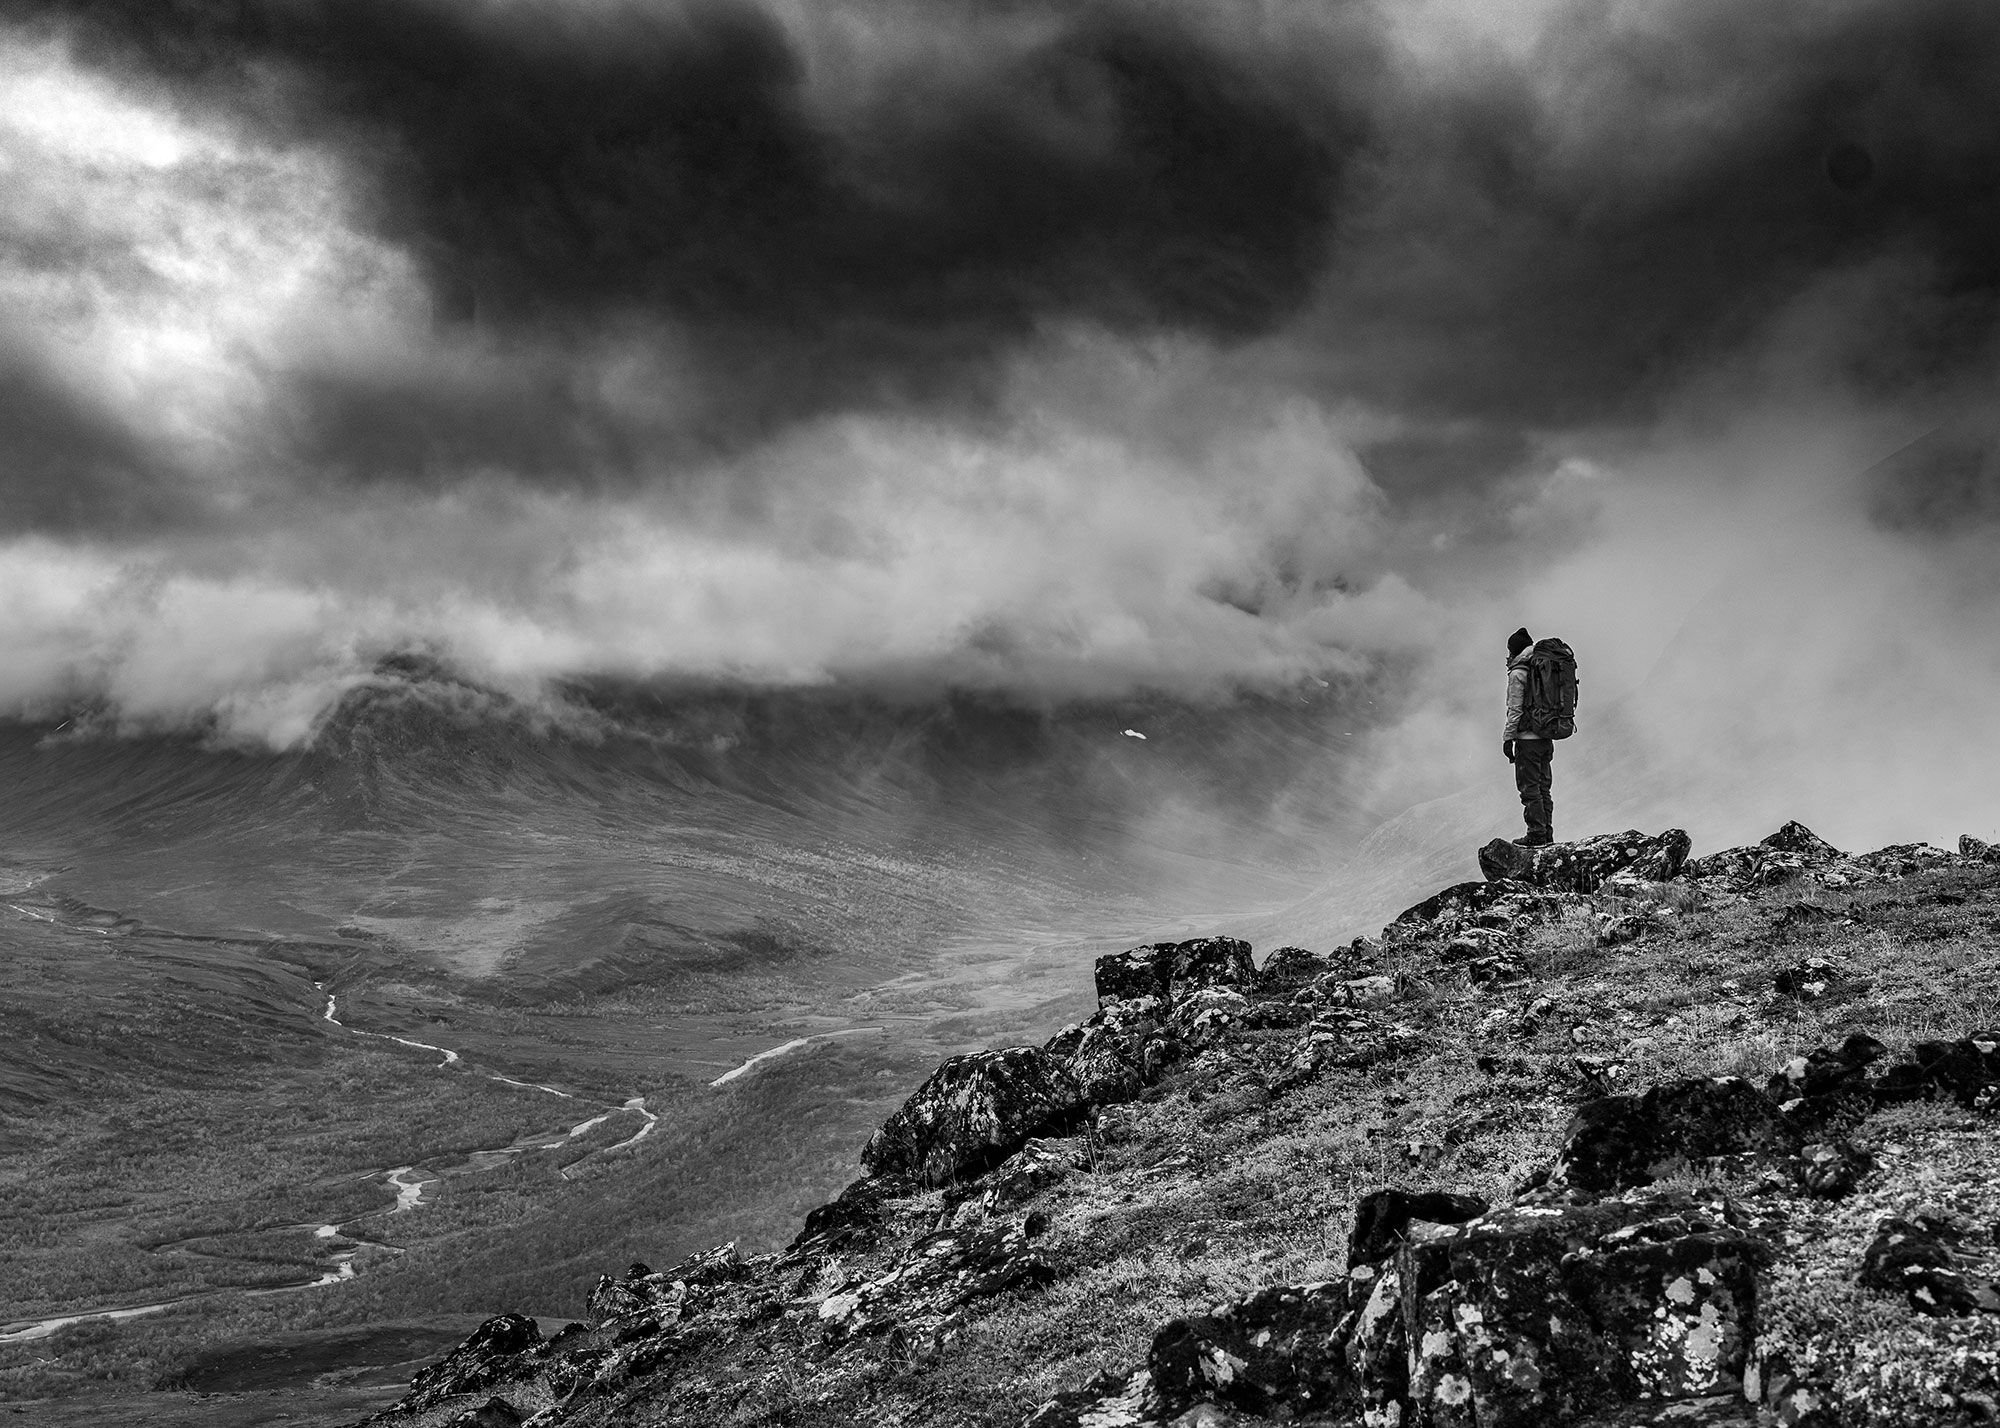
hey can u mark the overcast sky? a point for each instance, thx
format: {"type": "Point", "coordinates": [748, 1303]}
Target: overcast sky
{"type": "Point", "coordinates": [1061, 347]}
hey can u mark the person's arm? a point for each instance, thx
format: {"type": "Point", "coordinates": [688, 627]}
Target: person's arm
{"type": "Point", "coordinates": [1517, 694]}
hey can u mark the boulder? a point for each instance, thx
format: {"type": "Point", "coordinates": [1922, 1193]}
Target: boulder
{"type": "Point", "coordinates": [1807, 980]}
{"type": "Point", "coordinates": [1793, 851]}
{"type": "Point", "coordinates": [1537, 1315]}
{"type": "Point", "coordinates": [493, 1413]}
{"type": "Point", "coordinates": [1795, 837]}
{"type": "Point", "coordinates": [1279, 1352]}
{"type": "Point", "coordinates": [1827, 1083]}
{"type": "Point", "coordinates": [1915, 1258]}
{"type": "Point", "coordinates": [1585, 864]}
{"type": "Point", "coordinates": [1617, 1142]}
{"type": "Point", "coordinates": [937, 1274]}
{"type": "Point", "coordinates": [1290, 967]}
{"type": "Point", "coordinates": [1461, 903]}
{"type": "Point", "coordinates": [1209, 1015]}
{"type": "Point", "coordinates": [1971, 847]}
{"type": "Point", "coordinates": [1170, 969]}
{"type": "Point", "coordinates": [974, 1112]}
{"type": "Point", "coordinates": [1383, 1217]}
{"type": "Point", "coordinates": [1119, 1052]}
{"type": "Point", "coordinates": [852, 1220]}
{"type": "Point", "coordinates": [1967, 1070]}
{"type": "Point", "coordinates": [1832, 1169]}
{"type": "Point", "coordinates": [491, 1354]}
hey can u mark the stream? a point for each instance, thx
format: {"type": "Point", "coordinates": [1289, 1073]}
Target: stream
{"type": "Point", "coordinates": [408, 1181]}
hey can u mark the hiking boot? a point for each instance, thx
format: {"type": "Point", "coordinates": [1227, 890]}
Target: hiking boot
{"type": "Point", "coordinates": [1531, 841]}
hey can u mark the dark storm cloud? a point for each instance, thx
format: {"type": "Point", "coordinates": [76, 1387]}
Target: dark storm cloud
{"type": "Point", "coordinates": [555, 168]}
{"type": "Point", "coordinates": [1565, 240]}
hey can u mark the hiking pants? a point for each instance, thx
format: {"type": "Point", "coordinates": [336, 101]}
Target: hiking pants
{"type": "Point", "coordinates": [1531, 776]}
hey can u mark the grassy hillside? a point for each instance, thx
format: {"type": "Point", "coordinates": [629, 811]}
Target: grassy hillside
{"type": "Point", "coordinates": [1463, 1045]}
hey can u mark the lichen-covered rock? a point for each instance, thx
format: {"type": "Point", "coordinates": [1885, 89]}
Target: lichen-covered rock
{"type": "Point", "coordinates": [1350, 1039]}
{"type": "Point", "coordinates": [1794, 851]}
{"type": "Point", "coordinates": [1827, 1084]}
{"type": "Point", "coordinates": [1807, 980]}
{"type": "Point", "coordinates": [493, 1413]}
{"type": "Point", "coordinates": [1293, 967]}
{"type": "Point", "coordinates": [1169, 969]}
{"type": "Point", "coordinates": [1383, 1217]}
{"type": "Point", "coordinates": [937, 1274]}
{"type": "Point", "coordinates": [1207, 1016]}
{"type": "Point", "coordinates": [1979, 848]}
{"type": "Point", "coordinates": [974, 1112]}
{"type": "Point", "coordinates": [1536, 1315]}
{"type": "Point", "coordinates": [490, 1355]}
{"type": "Point", "coordinates": [1377, 1353]}
{"type": "Point", "coordinates": [1459, 904]}
{"type": "Point", "coordinates": [1832, 1169]}
{"type": "Point", "coordinates": [853, 1219]}
{"type": "Point", "coordinates": [1585, 864]}
{"type": "Point", "coordinates": [1914, 1258]}
{"type": "Point", "coordinates": [1616, 1142]}
{"type": "Point", "coordinates": [1280, 1351]}
{"type": "Point", "coordinates": [1119, 1052]}
{"type": "Point", "coordinates": [1967, 1070]}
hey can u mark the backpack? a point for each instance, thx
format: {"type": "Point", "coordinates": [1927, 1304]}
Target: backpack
{"type": "Point", "coordinates": [1549, 708]}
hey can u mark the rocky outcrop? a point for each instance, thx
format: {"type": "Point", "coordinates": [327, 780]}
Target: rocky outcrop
{"type": "Point", "coordinates": [491, 1355]}
{"type": "Point", "coordinates": [1594, 1289]}
{"type": "Point", "coordinates": [1515, 1318]}
{"type": "Point", "coordinates": [1585, 865]}
{"type": "Point", "coordinates": [974, 1112]}
{"type": "Point", "coordinates": [938, 1274]}
{"type": "Point", "coordinates": [1619, 1142]}
{"type": "Point", "coordinates": [1169, 969]}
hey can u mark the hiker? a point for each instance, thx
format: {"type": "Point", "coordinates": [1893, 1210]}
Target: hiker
{"type": "Point", "coordinates": [1529, 752]}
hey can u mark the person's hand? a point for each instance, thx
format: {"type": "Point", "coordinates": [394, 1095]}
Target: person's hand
{"type": "Point", "coordinates": [1507, 750]}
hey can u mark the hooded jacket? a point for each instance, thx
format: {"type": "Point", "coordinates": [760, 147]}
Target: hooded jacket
{"type": "Point", "coordinates": [1517, 695]}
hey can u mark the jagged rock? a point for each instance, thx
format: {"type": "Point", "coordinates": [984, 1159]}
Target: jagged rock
{"type": "Point", "coordinates": [1377, 1352]}
{"type": "Point", "coordinates": [1120, 1051]}
{"type": "Point", "coordinates": [1971, 847]}
{"type": "Point", "coordinates": [1292, 967]}
{"type": "Point", "coordinates": [1582, 866]}
{"type": "Point", "coordinates": [1169, 969]}
{"type": "Point", "coordinates": [1614, 931]}
{"type": "Point", "coordinates": [1536, 1315]}
{"type": "Point", "coordinates": [615, 1298]}
{"type": "Point", "coordinates": [852, 1220]}
{"type": "Point", "coordinates": [493, 1413]}
{"type": "Point", "coordinates": [1350, 1039]}
{"type": "Point", "coordinates": [1807, 980]}
{"type": "Point", "coordinates": [1280, 1351]}
{"type": "Point", "coordinates": [1899, 860]}
{"type": "Point", "coordinates": [1496, 971]}
{"type": "Point", "coordinates": [1034, 1165]}
{"type": "Point", "coordinates": [1795, 837]}
{"type": "Point", "coordinates": [663, 1294]}
{"type": "Point", "coordinates": [1622, 1141]}
{"type": "Point", "coordinates": [974, 1112]}
{"type": "Point", "coordinates": [1793, 851]}
{"type": "Point", "coordinates": [1827, 1083]}
{"type": "Point", "coordinates": [1914, 1258]}
{"type": "Point", "coordinates": [1207, 1016]}
{"type": "Point", "coordinates": [1832, 1169]}
{"type": "Point", "coordinates": [937, 1274]}
{"type": "Point", "coordinates": [1461, 903]}
{"type": "Point", "coordinates": [1383, 1217]}
{"type": "Point", "coordinates": [1360, 992]}
{"type": "Point", "coordinates": [1967, 1070]}
{"type": "Point", "coordinates": [489, 1355]}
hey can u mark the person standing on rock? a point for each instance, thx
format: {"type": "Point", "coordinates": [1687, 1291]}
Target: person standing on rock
{"type": "Point", "coordinates": [1530, 753]}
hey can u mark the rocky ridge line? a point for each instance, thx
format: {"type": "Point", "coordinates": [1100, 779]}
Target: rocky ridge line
{"type": "Point", "coordinates": [1620, 1283]}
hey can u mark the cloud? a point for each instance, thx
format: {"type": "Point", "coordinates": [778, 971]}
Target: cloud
{"type": "Point", "coordinates": [1059, 349]}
